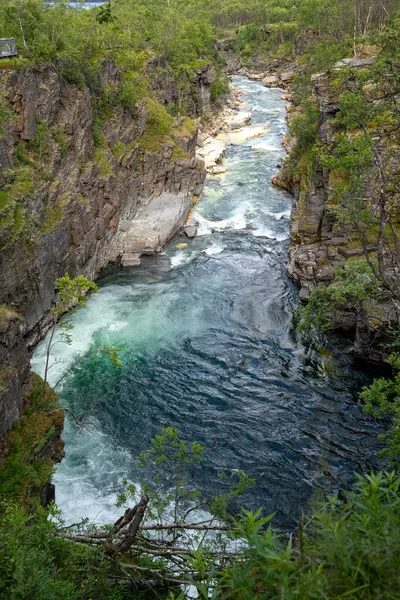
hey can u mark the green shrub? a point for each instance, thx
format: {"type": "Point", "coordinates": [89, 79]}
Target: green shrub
{"type": "Point", "coordinates": [219, 88]}
{"type": "Point", "coordinates": [343, 550]}
{"type": "Point", "coordinates": [304, 127]}
{"type": "Point", "coordinates": [61, 138]}
{"type": "Point", "coordinates": [23, 474]}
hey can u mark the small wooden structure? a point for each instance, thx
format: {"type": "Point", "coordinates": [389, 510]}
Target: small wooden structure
{"type": "Point", "coordinates": [8, 48]}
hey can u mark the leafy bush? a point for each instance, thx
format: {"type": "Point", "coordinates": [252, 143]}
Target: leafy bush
{"type": "Point", "coordinates": [382, 400]}
{"type": "Point", "coordinates": [304, 127]}
{"type": "Point", "coordinates": [344, 550]}
{"type": "Point", "coordinates": [130, 93]}
{"type": "Point", "coordinates": [37, 563]}
{"type": "Point", "coordinates": [354, 287]}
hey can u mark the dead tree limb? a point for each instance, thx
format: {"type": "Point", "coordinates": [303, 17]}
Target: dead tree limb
{"type": "Point", "coordinates": [133, 528]}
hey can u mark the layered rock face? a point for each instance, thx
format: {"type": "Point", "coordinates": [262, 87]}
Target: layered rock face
{"type": "Point", "coordinates": [80, 210]}
{"type": "Point", "coordinates": [318, 245]}
{"type": "Point", "coordinates": [315, 246]}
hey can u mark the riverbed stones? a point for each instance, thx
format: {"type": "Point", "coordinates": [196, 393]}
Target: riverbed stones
{"type": "Point", "coordinates": [238, 121]}
{"type": "Point", "coordinates": [218, 170]}
{"type": "Point", "coordinates": [256, 76]}
{"type": "Point", "coordinates": [286, 76]}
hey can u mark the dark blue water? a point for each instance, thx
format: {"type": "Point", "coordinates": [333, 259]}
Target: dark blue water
{"type": "Point", "coordinates": [208, 346]}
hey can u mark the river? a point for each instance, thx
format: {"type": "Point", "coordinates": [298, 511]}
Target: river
{"type": "Point", "coordinates": [208, 346]}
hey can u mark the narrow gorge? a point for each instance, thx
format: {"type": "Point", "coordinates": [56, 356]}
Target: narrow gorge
{"type": "Point", "coordinates": [199, 299]}
{"type": "Point", "coordinates": [208, 346]}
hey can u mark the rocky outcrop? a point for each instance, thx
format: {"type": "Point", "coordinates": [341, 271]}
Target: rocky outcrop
{"type": "Point", "coordinates": [315, 247]}
{"type": "Point", "coordinates": [154, 224]}
{"type": "Point", "coordinates": [78, 204]}
{"type": "Point", "coordinates": [318, 245]}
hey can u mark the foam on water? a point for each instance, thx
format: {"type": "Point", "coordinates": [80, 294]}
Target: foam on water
{"type": "Point", "coordinates": [267, 232]}
{"type": "Point", "coordinates": [180, 258]}
{"type": "Point", "coordinates": [214, 249]}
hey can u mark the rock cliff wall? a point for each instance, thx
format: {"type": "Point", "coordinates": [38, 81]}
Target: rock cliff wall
{"type": "Point", "coordinates": [79, 199]}
{"type": "Point", "coordinates": [318, 243]}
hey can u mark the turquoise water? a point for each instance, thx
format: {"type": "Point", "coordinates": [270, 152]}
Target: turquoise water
{"type": "Point", "coordinates": [208, 346]}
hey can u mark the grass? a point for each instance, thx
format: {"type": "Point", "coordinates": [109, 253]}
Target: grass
{"type": "Point", "coordinates": [186, 128]}
{"type": "Point", "coordinates": [104, 163]}
{"type": "Point", "coordinates": [179, 154]}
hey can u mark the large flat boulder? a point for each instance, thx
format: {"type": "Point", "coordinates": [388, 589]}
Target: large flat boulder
{"type": "Point", "coordinates": [256, 76]}
{"type": "Point", "coordinates": [237, 121]}
{"type": "Point", "coordinates": [242, 135]}
{"type": "Point", "coordinates": [353, 62]}
{"type": "Point", "coordinates": [154, 224]}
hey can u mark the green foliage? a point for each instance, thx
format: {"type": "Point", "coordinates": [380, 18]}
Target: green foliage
{"type": "Point", "coordinates": [24, 472]}
{"type": "Point", "coordinates": [159, 122]}
{"type": "Point", "coordinates": [72, 293]}
{"type": "Point", "coordinates": [13, 215]}
{"type": "Point", "coordinates": [104, 163]}
{"type": "Point", "coordinates": [354, 288]}
{"type": "Point", "coordinates": [382, 400]}
{"type": "Point", "coordinates": [249, 38]}
{"type": "Point", "coordinates": [320, 58]}
{"type": "Point", "coordinates": [354, 110]}
{"type": "Point", "coordinates": [97, 135]}
{"type": "Point", "coordinates": [219, 88]}
{"type": "Point", "coordinates": [353, 153]}
{"type": "Point", "coordinates": [304, 127]}
{"type": "Point", "coordinates": [54, 216]}
{"type": "Point", "coordinates": [347, 550]}
{"type": "Point", "coordinates": [35, 562]}
{"type": "Point", "coordinates": [132, 90]}
{"type": "Point", "coordinates": [5, 113]}
{"type": "Point", "coordinates": [40, 143]}
{"type": "Point", "coordinates": [61, 139]}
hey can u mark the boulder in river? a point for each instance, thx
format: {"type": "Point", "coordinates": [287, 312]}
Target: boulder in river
{"type": "Point", "coordinates": [155, 223]}
{"type": "Point", "coordinates": [190, 229]}
{"type": "Point", "coordinates": [238, 120]}
{"type": "Point", "coordinates": [271, 81]}
{"type": "Point", "coordinates": [212, 151]}
{"type": "Point", "coordinates": [282, 180]}
{"type": "Point", "coordinates": [241, 135]}
{"type": "Point", "coordinates": [256, 76]}
{"type": "Point", "coordinates": [218, 170]}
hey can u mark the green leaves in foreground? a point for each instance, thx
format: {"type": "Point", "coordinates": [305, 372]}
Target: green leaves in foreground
{"type": "Point", "coordinates": [382, 400]}
{"type": "Point", "coordinates": [345, 550]}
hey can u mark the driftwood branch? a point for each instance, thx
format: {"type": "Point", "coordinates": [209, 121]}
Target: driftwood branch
{"type": "Point", "coordinates": [131, 538]}
{"type": "Point", "coordinates": [133, 528]}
